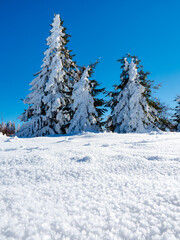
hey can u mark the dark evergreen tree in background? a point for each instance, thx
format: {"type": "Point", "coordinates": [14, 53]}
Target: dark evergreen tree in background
{"type": "Point", "coordinates": [98, 95]}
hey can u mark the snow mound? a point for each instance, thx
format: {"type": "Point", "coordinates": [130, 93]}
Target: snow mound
{"type": "Point", "coordinates": [90, 186]}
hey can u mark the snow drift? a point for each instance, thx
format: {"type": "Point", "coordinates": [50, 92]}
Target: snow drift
{"type": "Point", "coordinates": [90, 186]}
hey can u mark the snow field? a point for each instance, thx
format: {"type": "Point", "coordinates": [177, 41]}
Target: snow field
{"type": "Point", "coordinates": [90, 186]}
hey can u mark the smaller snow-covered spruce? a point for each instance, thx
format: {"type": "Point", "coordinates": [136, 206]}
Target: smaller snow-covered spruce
{"type": "Point", "coordinates": [132, 107]}
{"type": "Point", "coordinates": [176, 116]}
{"type": "Point", "coordinates": [88, 109]}
{"type": "Point", "coordinates": [48, 109]}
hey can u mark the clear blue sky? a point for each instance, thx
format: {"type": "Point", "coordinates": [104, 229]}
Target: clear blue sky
{"type": "Point", "coordinates": [99, 28]}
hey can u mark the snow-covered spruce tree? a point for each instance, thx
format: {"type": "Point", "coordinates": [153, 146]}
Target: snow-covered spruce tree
{"type": "Point", "coordinates": [176, 116]}
{"type": "Point", "coordinates": [88, 109]}
{"type": "Point", "coordinates": [48, 103]}
{"type": "Point", "coordinates": [132, 108]}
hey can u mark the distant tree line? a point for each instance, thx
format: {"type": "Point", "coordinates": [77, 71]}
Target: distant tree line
{"type": "Point", "coordinates": [8, 128]}
{"type": "Point", "coordinates": [64, 97]}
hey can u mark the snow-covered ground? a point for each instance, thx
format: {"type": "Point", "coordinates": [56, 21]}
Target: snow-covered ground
{"type": "Point", "coordinates": [90, 186]}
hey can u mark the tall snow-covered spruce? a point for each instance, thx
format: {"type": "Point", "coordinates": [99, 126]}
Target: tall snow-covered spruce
{"type": "Point", "coordinates": [132, 107]}
{"type": "Point", "coordinates": [88, 109]}
{"type": "Point", "coordinates": [177, 114]}
{"type": "Point", "coordinates": [48, 109]}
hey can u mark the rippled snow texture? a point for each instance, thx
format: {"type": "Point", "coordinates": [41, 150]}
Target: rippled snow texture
{"type": "Point", "coordinates": [90, 186]}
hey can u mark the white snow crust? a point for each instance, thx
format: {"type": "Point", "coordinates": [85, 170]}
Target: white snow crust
{"type": "Point", "coordinates": [90, 186]}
